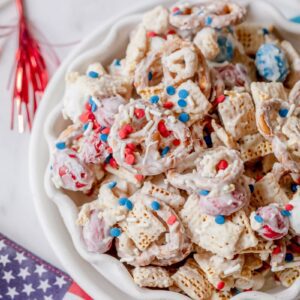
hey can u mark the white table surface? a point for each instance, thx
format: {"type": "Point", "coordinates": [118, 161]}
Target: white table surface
{"type": "Point", "coordinates": [62, 22]}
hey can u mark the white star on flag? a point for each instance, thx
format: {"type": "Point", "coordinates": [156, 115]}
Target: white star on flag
{"type": "Point", "coordinates": [24, 273]}
{"type": "Point", "coordinates": [2, 245]}
{"type": "Point", "coordinates": [4, 260]}
{"type": "Point", "coordinates": [8, 276]}
{"type": "Point", "coordinates": [40, 270]}
{"type": "Point", "coordinates": [12, 292]}
{"type": "Point", "coordinates": [20, 257]}
{"type": "Point", "coordinates": [48, 298]}
{"type": "Point", "coordinates": [28, 289]}
{"type": "Point", "coordinates": [60, 282]}
{"type": "Point", "coordinates": [44, 285]}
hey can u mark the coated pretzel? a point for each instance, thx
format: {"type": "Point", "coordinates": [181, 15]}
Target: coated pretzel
{"type": "Point", "coordinates": [142, 139]}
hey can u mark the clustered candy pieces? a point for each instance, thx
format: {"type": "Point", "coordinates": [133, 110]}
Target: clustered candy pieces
{"type": "Point", "coordinates": [192, 140]}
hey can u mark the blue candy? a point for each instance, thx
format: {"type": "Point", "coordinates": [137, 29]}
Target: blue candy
{"type": "Point", "coordinates": [182, 103]}
{"type": "Point", "coordinates": [165, 151]}
{"type": "Point", "coordinates": [271, 63]}
{"type": "Point", "coordinates": [203, 192]}
{"type": "Point", "coordinates": [115, 232]}
{"type": "Point", "coordinates": [219, 219]}
{"type": "Point", "coordinates": [154, 99]}
{"type": "Point", "coordinates": [184, 117]}
{"type": "Point", "coordinates": [183, 94]}
{"type": "Point", "coordinates": [155, 205]}
{"type": "Point", "coordinates": [258, 219]}
{"type": "Point", "coordinates": [226, 49]}
{"type": "Point", "coordinates": [60, 145]}
{"type": "Point", "coordinates": [129, 205]}
{"type": "Point", "coordinates": [171, 90]}
{"type": "Point", "coordinates": [112, 184]}
{"type": "Point", "coordinates": [289, 257]}
{"type": "Point", "coordinates": [103, 137]}
{"type": "Point", "coordinates": [93, 74]}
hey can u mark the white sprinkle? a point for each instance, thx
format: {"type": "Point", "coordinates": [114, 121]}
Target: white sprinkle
{"type": "Point", "coordinates": [120, 218]}
{"type": "Point", "coordinates": [172, 119]}
{"type": "Point", "coordinates": [147, 114]}
{"type": "Point", "coordinates": [232, 269]}
{"type": "Point", "coordinates": [155, 112]}
{"type": "Point", "coordinates": [131, 111]}
{"type": "Point", "coordinates": [127, 259]}
{"type": "Point", "coordinates": [136, 251]}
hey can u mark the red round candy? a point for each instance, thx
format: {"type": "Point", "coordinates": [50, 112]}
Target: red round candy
{"type": "Point", "coordinates": [176, 142]}
{"type": "Point", "coordinates": [171, 220]}
{"type": "Point", "coordinates": [220, 285]}
{"type": "Point", "coordinates": [171, 31]}
{"type": "Point", "coordinates": [168, 105]}
{"type": "Point", "coordinates": [139, 177]}
{"type": "Point", "coordinates": [175, 9]}
{"type": "Point", "coordinates": [276, 250]}
{"type": "Point", "coordinates": [151, 34]}
{"type": "Point", "coordinates": [62, 171]}
{"type": "Point", "coordinates": [113, 163]}
{"type": "Point", "coordinates": [139, 113]}
{"type": "Point", "coordinates": [220, 99]}
{"type": "Point", "coordinates": [222, 165]}
{"type": "Point", "coordinates": [163, 129]}
{"type": "Point", "coordinates": [289, 207]}
{"type": "Point", "coordinates": [129, 159]}
{"type": "Point", "coordinates": [106, 130]}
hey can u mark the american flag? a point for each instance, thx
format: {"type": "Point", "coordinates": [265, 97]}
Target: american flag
{"type": "Point", "coordinates": [25, 276]}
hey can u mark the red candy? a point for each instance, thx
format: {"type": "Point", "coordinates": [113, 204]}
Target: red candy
{"type": "Point", "coordinates": [220, 285]}
{"type": "Point", "coordinates": [222, 165]}
{"type": "Point", "coordinates": [62, 171]}
{"type": "Point", "coordinates": [151, 34]}
{"type": "Point", "coordinates": [106, 130]}
{"type": "Point", "coordinates": [276, 250]}
{"type": "Point", "coordinates": [171, 31]}
{"type": "Point", "coordinates": [163, 129]}
{"type": "Point", "coordinates": [130, 159]}
{"type": "Point", "coordinates": [113, 163]}
{"type": "Point", "coordinates": [88, 107]}
{"type": "Point", "coordinates": [139, 177]}
{"type": "Point", "coordinates": [176, 142]}
{"type": "Point", "coordinates": [80, 185]}
{"type": "Point", "coordinates": [168, 105]}
{"type": "Point", "coordinates": [175, 9]}
{"type": "Point", "coordinates": [289, 207]}
{"type": "Point", "coordinates": [171, 220]}
{"type": "Point", "coordinates": [269, 233]}
{"type": "Point", "coordinates": [139, 113]}
{"type": "Point", "coordinates": [220, 99]}
{"type": "Point", "coordinates": [125, 131]}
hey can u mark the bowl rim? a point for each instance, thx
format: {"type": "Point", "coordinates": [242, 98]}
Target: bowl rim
{"type": "Point", "coordinates": [34, 174]}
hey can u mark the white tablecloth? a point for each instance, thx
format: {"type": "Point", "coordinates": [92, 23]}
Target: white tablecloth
{"type": "Point", "coordinates": [62, 22]}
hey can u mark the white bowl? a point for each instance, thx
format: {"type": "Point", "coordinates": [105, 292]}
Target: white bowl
{"type": "Point", "coordinates": [102, 276]}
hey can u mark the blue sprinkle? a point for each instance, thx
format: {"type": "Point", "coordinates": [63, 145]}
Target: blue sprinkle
{"type": "Point", "coordinates": [85, 126]}
{"type": "Point", "coordinates": [171, 90]}
{"type": "Point", "coordinates": [165, 151]}
{"type": "Point", "coordinates": [154, 99]}
{"type": "Point", "coordinates": [265, 31]}
{"type": "Point", "coordinates": [183, 94]}
{"type": "Point", "coordinates": [129, 205]}
{"type": "Point", "coordinates": [283, 112]}
{"type": "Point", "coordinates": [258, 219]}
{"type": "Point", "coordinates": [117, 62]}
{"type": "Point", "coordinates": [294, 187]}
{"type": "Point", "coordinates": [112, 184]}
{"type": "Point", "coordinates": [60, 145]}
{"type": "Point", "coordinates": [150, 76]}
{"type": "Point", "coordinates": [123, 201]}
{"type": "Point", "coordinates": [251, 188]}
{"type": "Point", "coordinates": [208, 141]}
{"type": "Point", "coordinates": [155, 205]}
{"type": "Point", "coordinates": [203, 192]}
{"type": "Point", "coordinates": [178, 12]}
{"type": "Point", "coordinates": [219, 219]}
{"type": "Point", "coordinates": [107, 159]}
{"type": "Point", "coordinates": [93, 74]}
{"type": "Point", "coordinates": [184, 117]}
{"type": "Point", "coordinates": [115, 232]}
{"type": "Point", "coordinates": [208, 21]}
{"type": "Point", "coordinates": [289, 257]}
{"type": "Point", "coordinates": [285, 213]}
{"type": "Point", "coordinates": [103, 137]}
{"type": "Point", "coordinates": [182, 103]}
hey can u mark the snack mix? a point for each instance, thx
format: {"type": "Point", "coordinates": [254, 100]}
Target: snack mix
{"type": "Point", "coordinates": [188, 150]}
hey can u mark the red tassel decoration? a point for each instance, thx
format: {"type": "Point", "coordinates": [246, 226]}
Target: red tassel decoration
{"type": "Point", "coordinates": [31, 75]}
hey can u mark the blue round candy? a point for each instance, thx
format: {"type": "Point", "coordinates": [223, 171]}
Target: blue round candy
{"type": "Point", "coordinates": [103, 137]}
{"type": "Point", "coordinates": [112, 184]}
{"type": "Point", "coordinates": [155, 205]}
{"type": "Point", "coordinates": [93, 74]}
{"type": "Point", "coordinates": [289, 257]}
{"type": "Point", "coordinates": [258, 219]}
{"type": "Point", "coordinates": [182, 103]}
{"type": "Point", "coordinates": [294, 187]}
{"type": "Point", "coordinates": [203, 192]}
{"type": "Point", "coordinates": [283, 112]}
{"type": "Point", "coordinates": [115, 232]}
{"type": "Point", "coordinates": [60, 145]}
{"type": "Point", "coordinates": [226, 48]}
{"type": "Point", "coordinates": [123, 200]}
{"type": "Point", "coordinates": [220, 219]}
{"type": "Point", "coordinates": [154, 99]}
{"type": "Point", "coordinates": [271, 63]}
{"type": "Point", "coordinates": [183, 94]}
{"type": "Point", "coordinates": [184, 117]}
{"type": "Point", "coordinates": [285, 213]}
{"type": "Point", "coordinates": [165, 151]}
{"type": "Point", "coordinates": [171, 90]}
{"type": "Point", "coordinates": [129, 205]}
{"type": "Point", "coordinates": [251, 188]}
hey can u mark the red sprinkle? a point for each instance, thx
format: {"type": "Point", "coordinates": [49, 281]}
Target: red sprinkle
{"type": "Point", "coordinates": [84, 117]}
{"type": "Point", "coordinates": [139, 113]}
{"type": "Point", "coordinates": [125, 131]}
{"type": "Point", "coordinates": [175, 9]}
{"type": "Point", "coordinates": [62, 171]}
{"type": "Point", "coordinates": [269, 233]}
{"type": "Point", "coordinates": [106, 130]}
{"type": "Point", "coordinates": [113, 163]}
{"type": "Point", "coordinates": [151, 34]}
{"type": "Point", "coordinates": [168, 105]}
{"type": "Point", "coordinates": [289, 207]}
{"type": "Point", "coordinates": [72, 155]}
{"type": "Point", "coordinates": [129, 159]}
{"type": "Point", "coordinates": [222, 165]}
{"type": "Point", "coordinates": [139, 177]}
{"type": "Point", "coordinates": [109, 150]}
{"type": "Point", "coordinates": [171, 31]}
{"type": "Point", "coordinates": [176, 142]}
{"type": "Point", "coordinates": [131, 146]}
{"type": "Point", "coordinates": [171, 220]}
{"type": "Point", "coordinates": [80, 185]}
{"type": "Point", "coordinates": [220, 285]}
{"type": "Point", "coordinates": [220, 99]}
{"type": "Point", "coordinates": [88, 106]}
{"type": "Point", "coordinates": [163, 129]}
{"type": "Point", "coordinates": [276, 250]}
